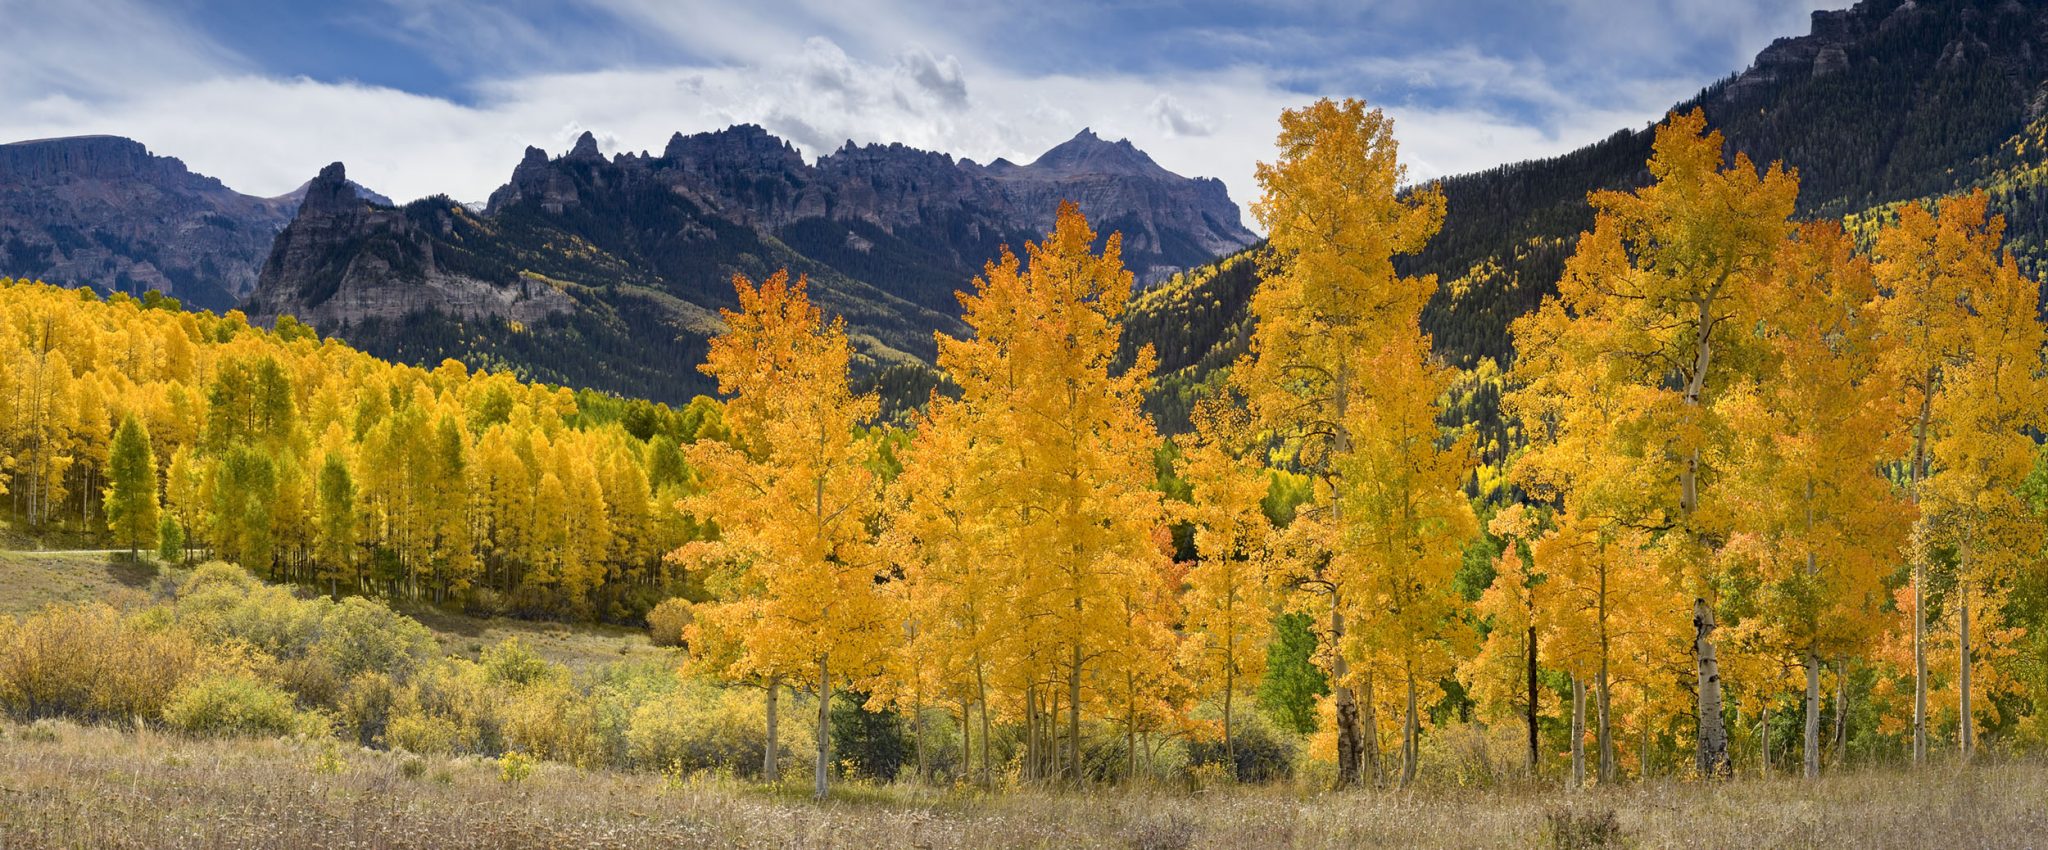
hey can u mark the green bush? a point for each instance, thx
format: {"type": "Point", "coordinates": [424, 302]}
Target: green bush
{"type": "Point", "coordinates": [237, 704]}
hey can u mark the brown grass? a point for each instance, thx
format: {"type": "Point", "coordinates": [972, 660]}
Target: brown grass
{"type": "Point", "coordinates": [31, 580]}
{"type": "Point", "coordinates": [69, 786]}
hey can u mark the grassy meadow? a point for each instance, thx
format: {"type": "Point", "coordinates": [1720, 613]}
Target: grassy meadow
{"type": "Point", "coordinates": [66, 785]}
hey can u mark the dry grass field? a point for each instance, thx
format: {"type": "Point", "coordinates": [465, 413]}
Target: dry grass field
{"type": "Point", "coordinates": [63, 785]}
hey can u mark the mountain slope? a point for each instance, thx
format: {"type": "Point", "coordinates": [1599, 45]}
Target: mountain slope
{"type": "Point", "coordinates": [608, 272]}
{"type": "Point", "coordinates": [104, 211]}
{"type": "Point", "coordinates": [1888, 102]}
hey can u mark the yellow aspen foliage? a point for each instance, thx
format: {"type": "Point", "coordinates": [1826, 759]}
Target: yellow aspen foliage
{"type": "Point", "coordinates": [1652, 324]}
{"type": "Point", "coordinates": [795, 493]}
{"type": "Point", "coordinates": [1329, 304]}
{"type": "Point", "coordinates": [1229, 598]}
{"type": "Point", "coordinates": [1064, 458]}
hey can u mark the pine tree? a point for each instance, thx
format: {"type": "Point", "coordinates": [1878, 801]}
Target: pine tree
{"type": "Point", "coordinates": [132, 492]}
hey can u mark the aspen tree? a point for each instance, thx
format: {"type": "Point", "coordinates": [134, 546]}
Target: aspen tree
{"type": "Point", "coordinates": [797, 495]}
{"type": "Point", "coordinates": [1328, 299]}
{"type": "Point", "coordinates": [1655, 310]}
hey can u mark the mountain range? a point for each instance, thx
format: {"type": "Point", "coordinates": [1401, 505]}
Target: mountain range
{"type": "Point", "coordinates": [607, 271]}
{"type": "Point", "coordinates": [596, 271]}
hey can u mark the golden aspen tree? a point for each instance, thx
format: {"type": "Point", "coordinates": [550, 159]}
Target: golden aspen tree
{"type": "Point", "coordinates": [1989, 409]}
{"type": "Point", "coordinates": [1502, 676]}
{"type": "Point", "coordinates": [1927, 263]}
{"type": "Point", "coordinates": [1406, 523]}
{"type": "Point", "coordinates": [1229, 601]}
{"type": "Point", "coordinates": [947, 548]}
{"type": "Point", "coordinates": [1817, 519]}
{"type": "Point", "coordinates": [799, 498]}
{"type": "Point", "coordinates": [1653, 318]}
{"type": "Point", "coordinates": [1067, 457]}
{"type": "Point", "coordinates": [1328, 299]}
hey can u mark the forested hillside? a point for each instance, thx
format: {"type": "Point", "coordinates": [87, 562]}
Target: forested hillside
{"type": "Point", "coordinates": [1889, 102]}
{"type": "Point", "coordinates": [307, 461]}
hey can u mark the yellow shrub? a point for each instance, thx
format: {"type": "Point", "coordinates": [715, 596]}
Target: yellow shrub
{"type": "Point", "coordinates": [236, 704]}
{"type": "Point", "coordinates": [91, 663]}
{"type": "Point", "coordinates": [666, 622]}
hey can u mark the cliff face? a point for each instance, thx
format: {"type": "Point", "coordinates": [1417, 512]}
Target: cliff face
{"type": "Point", "coordinates": [609, 272]}
{"type": "Point", "coordinates": [956, 207]}
{"type": "Point", "coordinates": [103, 211]}
{"type": "Point", "coordinates": [349, 260]}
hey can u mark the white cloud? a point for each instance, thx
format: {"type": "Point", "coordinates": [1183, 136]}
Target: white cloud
{"type": "Point", "coordinates": [880, 76]}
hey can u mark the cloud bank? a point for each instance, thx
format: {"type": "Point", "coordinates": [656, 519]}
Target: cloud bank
{"type": "Point", "coordinates": [1200, 93]}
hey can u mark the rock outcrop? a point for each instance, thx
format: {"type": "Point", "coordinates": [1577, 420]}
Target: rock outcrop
{"type": "Point", "coordinates": [347, 260]}
{"type": "Point", "coordinates": [102, 211]}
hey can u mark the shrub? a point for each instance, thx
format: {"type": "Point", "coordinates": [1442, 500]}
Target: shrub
{"type": "Point", "coordinates": [515, 767]}
{"type": "Point", "coordinates": [1575, 830]}
{"type": "Point", "coordinates": [235, 704]}
{"type": "Point", "coordinates": [89, 662]}
{"type": "Point", "coordinates": [1262, 753]}
{"type": "Point", "coordinates": [512, 662]}
{"type": "Point", "coordinates": [357, 635]}
{"type": "Point", "coordinates": [699, 727]}
{"type": "Point", "coordinates": [666, 622]}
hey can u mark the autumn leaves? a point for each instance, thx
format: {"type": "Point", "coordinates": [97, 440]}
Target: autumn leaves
{"type": "Point", "coordinates": [1718, 405]}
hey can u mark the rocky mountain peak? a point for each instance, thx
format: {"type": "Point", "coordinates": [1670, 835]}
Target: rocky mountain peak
{"type": "Point", "coordinates": [1088, 153]}
{"type": "Point", "coordinates": [586, 148]}
{"type": "Point", "coordinates": [330, 193]}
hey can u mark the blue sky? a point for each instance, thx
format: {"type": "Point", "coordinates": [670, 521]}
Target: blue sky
{"type": "Point", "coordinates": [440, 96]}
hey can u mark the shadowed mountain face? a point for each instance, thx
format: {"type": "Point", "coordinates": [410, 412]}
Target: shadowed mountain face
{"type": "Point", "coordinates": [1889, 102]}
{"type": "Point", "coordinates": [608, 272]}
{"type": "Point", "coordinates": [102, 211]}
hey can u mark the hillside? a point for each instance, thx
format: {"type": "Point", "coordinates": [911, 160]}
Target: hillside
{"type": "Point", "coordinates": [104, 211]}
{"type": "Point", "coordinates": [608, 272]}
{"type": "Point", "coordinates": [1890, 101]}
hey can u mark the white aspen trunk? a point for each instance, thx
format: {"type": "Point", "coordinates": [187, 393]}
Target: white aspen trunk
{"type": "Point", "coordinates": [771, 761]}
{"type": "Point", "coordinates": [1919, 556]}
{"type": "Point", "coordinates": [1966, 734]}
{"type": "Point", "coordinates": [1369, 734]}
{"type": "Point", "coordinates": [1605, 732]}
{"type": "Point", "coordinates": [824, 727]}
{"type": "Point", "coordinates": [1713, 736]}
{"type": "Point", "coordinates": [1348, 744]}
{"type": "Point", "coordinates": [1763, 740]}
{"type": "Point", "coordinates": [1841, 754]}
{"type": "Point", "coordinates": [1578, 733]}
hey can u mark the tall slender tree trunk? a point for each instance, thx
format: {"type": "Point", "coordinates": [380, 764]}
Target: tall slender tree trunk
{"type": "Point", "coordinates": [1410, 732]}
{"type": "Point", "coordinates": [1713, 736]}
{"type": "Point", "coordinates": [1763, 740]}
{"type": "Point", "coordinates": [1811, 756]}
{"type": "Point", "coordinates": [1535, 750]}
{"type": "Point", "coordinates": [1369, 733]}
{"type": "Point", "coordinates": [1919, 556]}
{"type": "Point", "coordinates": [771, 761]}
{"type": "Point", "coordinates": [1348, 745]}
{"type": "Point", "coordinates": [824, 726]}
{"type": "Point", "coordinates": [1578, 732]}
{"type": "Point", "coordinates": [1966, 735]}
{"type": "Point", "coordinates": [1841, 745]}
{"type": "Point", "coordinates": [1606, 731]}
{"type": "Point", "coordinates": [1229, 746]}
{"type": "Point", "coordinates": [1074, 712]}
{"type": "Point", "coordinates": [981, 694]}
